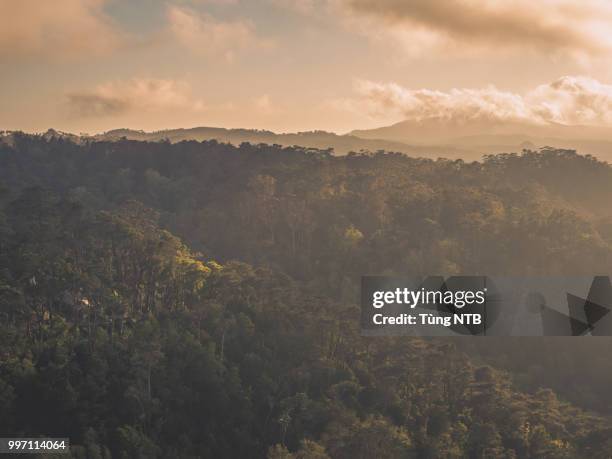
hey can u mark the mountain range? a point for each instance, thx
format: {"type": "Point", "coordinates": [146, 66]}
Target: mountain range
{"type": "Point", "coordinates": [478, 137]}
{"type": "Point", "coordinates": [431, 138]}
{"type": "Point", "coordinates": [341, 144]}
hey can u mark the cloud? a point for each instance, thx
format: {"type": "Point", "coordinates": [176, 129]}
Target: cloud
{"type": "Point", "coordinates": [96, 105]}
{"type": "Point", "coordinates": [301, 6]}
{"type": "Point", "coordinates": [264, 105]}
{"type": "Point", "coordinates": [465, 26]}
{"type": "Point", "coordinates": [574, 100]}
{"type": "Point", "coordinates": [60, 28]}
{"type": "Point", "coordinates": [571, 100]}
{"type": "Point", "coordinates": [138, 94]}
{"type": "Point", "coordinates": [206, 35]}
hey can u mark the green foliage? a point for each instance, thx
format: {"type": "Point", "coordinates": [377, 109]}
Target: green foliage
{"type": "Point", "coordinates": [120, 331]}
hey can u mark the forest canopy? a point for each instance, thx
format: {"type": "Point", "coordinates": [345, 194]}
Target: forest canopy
{"type": "Point", "coordinates": [200, 299]}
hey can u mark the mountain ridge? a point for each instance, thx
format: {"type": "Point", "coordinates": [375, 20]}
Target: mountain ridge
{"type": "Point", "coordinates": [340, 143]}
{"type": "Point", "coordinates": [468, 139]}
{"type": "Point", "coordinates": [484, 136]}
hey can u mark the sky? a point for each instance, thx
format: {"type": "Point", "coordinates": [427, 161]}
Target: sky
{"type": "Point", "coordinates": [88, 66]}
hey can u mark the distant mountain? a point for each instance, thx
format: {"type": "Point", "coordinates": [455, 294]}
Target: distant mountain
{"type": "Point", "coordinates": [478, 137]}
{"type": "Point", "coordinates": [431, 138]}
{"type": "Point", "coordinates": [341, 144]}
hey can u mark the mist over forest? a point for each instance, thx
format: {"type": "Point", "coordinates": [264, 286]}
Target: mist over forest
{"type": "Point", "coordinates": [200, 299]}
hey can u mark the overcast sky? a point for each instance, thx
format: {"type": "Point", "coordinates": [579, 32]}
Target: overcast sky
{"type": "Point", "coordinates": [295, 65]}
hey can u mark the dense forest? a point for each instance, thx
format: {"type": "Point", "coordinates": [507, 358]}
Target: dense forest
{"type": "Point", "coordinates": [199, 299]}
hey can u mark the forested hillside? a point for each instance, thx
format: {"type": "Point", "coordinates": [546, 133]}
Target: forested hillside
{"type": "Point", "coordinates": [199, 299]}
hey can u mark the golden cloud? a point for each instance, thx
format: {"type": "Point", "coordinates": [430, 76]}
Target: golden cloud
{"type": "Point", "coordinates": [206, 35]}
{"type": "Point", "coordinates": [464, 26]}
{"type": "Point", "coordinates": [137, 94]}
{"type": "Point", "coordinates": [61, 28]}
{"type": "Point", "coordinates": [570, 100]}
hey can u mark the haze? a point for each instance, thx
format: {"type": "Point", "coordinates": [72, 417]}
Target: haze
{"type": "Point", "coordinates": [336, 65]}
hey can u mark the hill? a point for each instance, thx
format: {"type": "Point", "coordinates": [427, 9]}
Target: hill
{"type": "Point", "coordinates": [341, 144]}
{"type": "Point", "coordinates": [198, 299]}
{"type": "Point", "coordinates": [476, 137]}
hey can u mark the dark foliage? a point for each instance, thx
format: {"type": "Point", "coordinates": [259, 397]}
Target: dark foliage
{"type": "Point", "coordinates": [199, 300]}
